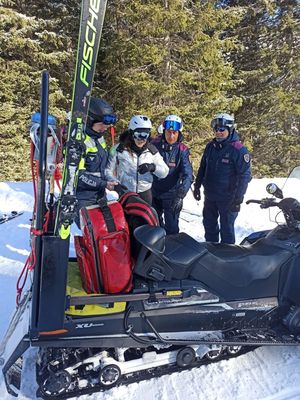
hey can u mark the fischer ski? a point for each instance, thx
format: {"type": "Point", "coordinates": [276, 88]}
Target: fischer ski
{"type": "Point", "coordinates": [7, 217]}
{"type": "Point", "coordinates": [92, 17]}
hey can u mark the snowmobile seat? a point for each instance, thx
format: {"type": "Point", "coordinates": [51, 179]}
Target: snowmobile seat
{"type": "Point", "coordinates": [170, 257]}
{"type": "Point", "coordinates": [230, 271]}
{"type": "Point", "coordinates": [235, 272]}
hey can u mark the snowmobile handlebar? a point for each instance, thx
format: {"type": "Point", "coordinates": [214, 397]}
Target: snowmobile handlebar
{"type": "Point", "coordinates": [289, 206]}
{"type": "Point", "coordinates": [265, 203]}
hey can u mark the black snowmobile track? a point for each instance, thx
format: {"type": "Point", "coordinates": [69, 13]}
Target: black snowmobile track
{"type": "Point", "coordinates": [143, 376]}
{"type": "Point", "coordinates": [248, 341]}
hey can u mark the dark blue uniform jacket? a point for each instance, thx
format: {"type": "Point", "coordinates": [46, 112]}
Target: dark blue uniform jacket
{"type": "Point", "coordinates": [225, 170]}
{"type": "Point", "coordinates": [180, 176]}
{"type": "Point", "coordinates": [91, 180]}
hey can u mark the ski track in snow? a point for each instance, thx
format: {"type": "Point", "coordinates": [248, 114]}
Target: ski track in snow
{"type": "Point", "coordinates": [268, 373]}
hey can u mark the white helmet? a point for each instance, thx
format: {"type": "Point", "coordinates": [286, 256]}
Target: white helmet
{"type": "Point", "coordinates": [173, 123]}
{"type": "Point", "coordinates": [223, 120]}
{"type": "Point", "coordinates": [140, 122]}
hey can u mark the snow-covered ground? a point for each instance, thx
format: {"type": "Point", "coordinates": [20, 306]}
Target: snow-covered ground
{"type": "Point", "coordinates": [271, 373]}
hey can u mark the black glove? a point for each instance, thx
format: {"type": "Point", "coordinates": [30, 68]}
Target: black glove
{"type": "Point", "coordinates": [147, 167]}
{"type": "Point", "coordinates": [197, 194]}
{"type": "Point", "coordinates": [176, 206]}
{"type": "Point", "coordinates": [236, 205]}
{"type": "Point", "coordinates": [120, 189]}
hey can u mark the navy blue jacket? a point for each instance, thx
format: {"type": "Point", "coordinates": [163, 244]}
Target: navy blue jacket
{"type": "Point", "coordinates": [91, 180]}
{"type": "Point", "coordinates": [225, 170]}
{"type": "Point", "coordinates": [180, 176]}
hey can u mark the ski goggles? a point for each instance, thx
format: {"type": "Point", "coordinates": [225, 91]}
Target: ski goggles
{"type": "Point", "coordinates": [216, 129]}
{"type": "Point", "coordinates": [172, 125]}
{"type": "Point", "coordinates": [109, 119]}
{"type": "Point", "coordinates": [141, 135]}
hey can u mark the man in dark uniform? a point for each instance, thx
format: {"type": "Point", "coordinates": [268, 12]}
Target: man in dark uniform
{"type": "Point", "coordinates": [168, 193]}
{"type": "Point", "coordinates": [224, 173]}
{"type": "Point", "coordinates": [91, 178]}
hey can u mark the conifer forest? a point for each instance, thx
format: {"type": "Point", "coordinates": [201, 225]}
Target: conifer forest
{"type": "Point", "coordinates": [192, 58]}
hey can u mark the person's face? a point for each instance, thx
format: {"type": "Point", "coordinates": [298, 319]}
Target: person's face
{"type": "Point", "coordinates": [171, 136]}
{"type": "Point", "coordinates": [221, 133]}
{"type": "Point", "coordinates": [139, 142]}
{"type": "Point", "coordinates": [100, 127]}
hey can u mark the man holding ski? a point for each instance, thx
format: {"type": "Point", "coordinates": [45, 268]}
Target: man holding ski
{"type": "Point", "coordinates": [91, 178]}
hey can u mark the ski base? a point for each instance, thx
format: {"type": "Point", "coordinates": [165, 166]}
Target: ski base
{"type": "Point", "coordinates": [7, 217]}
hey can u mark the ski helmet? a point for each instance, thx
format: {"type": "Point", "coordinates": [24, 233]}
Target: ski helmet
{"type": "Point", "coordinates": [140, 127]}
{"type": "Point", "coordinates": [223, 120]}
{"type": "Point", "coordinates": [173, 123]}
{"type": "Point", "coordinates": [100, 111]}
{"type": "Point", "coordinates": [36, 119]}
{"type": "Point", "coordinates": [36, 124]}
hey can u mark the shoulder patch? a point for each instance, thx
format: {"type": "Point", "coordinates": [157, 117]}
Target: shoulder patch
{"type": "Point", "coordinates": [152, 148]}
{"type": "Point", "coordinates": [247, 157]}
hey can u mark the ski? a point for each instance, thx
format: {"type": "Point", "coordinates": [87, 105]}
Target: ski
{"type": "Point", "coordinates": [91, 23]}
{"type": "Point", "coordinates": [11, 215]}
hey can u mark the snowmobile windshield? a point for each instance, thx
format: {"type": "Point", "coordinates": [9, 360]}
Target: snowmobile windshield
{"type": "Point", "coordinates": [290, 188]}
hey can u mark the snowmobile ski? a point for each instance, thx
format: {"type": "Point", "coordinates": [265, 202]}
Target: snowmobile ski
{"type": "Point", "coordinates": [92, 17]}
{"type": "Point", "coordinates": [11, 215]}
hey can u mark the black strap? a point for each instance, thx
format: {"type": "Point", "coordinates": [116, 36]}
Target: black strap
{"type": "Point", "coordinates": [108, 217]}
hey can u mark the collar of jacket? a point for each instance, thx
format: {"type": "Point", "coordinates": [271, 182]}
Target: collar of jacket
{"type": "Point", "coordinates": [93, 134]}
{"type": "Point", "coordinates": [167, 146]}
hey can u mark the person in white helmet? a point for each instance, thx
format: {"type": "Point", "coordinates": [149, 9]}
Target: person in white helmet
{"type": "Point", "coordinates": [168, 193]}
{"type": "Point", "coordinates": [134, 161]}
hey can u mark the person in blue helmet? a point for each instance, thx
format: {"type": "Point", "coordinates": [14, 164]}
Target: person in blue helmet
{"type": "Point", "coordinates": [169, 192]}
{"type": "Point", "coordinates": [91, 177]}
{"type": "Point", "coordinates": [224, 173]}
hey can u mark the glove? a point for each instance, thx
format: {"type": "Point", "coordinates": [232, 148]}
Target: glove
{"type": "Point", "coordinates": [146, 167]}
{"type": "Point", "coordinates": [236, 205]}
{"type": "Point", "coordinates": [176, 206]}
{"type": "Point", "coordinates": [197, 194]}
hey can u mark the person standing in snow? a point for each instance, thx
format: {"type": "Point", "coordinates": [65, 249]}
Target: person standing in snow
{"type": "Point", "coordinates": [91, 177]}
{"type": "Point", "coordinates": [224, 173]}
{"type": "Point", "coordinates": [135, 161]}
{"type": "Point", "coordinates": [168, 193]}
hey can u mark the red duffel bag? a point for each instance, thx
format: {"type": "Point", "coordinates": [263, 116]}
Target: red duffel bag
{"type": "Point", "coordinates": [103, 252]}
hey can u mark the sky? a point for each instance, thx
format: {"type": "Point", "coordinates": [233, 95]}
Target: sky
{"type": "Point", "coordinates": [268, 373]}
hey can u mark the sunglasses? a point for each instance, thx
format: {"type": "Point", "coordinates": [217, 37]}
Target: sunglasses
{"type": "Point", "coordinates": [172, 125]}
{"type": "Point", "coordinates": [108, 119]}
{"type": "Point", "coordinates": [141, 135]}
{"type": "Point", "coordinates": [220, 129]}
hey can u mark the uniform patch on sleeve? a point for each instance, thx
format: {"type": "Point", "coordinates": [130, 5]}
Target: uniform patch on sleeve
{"type": "Point", "coordinates": [247, 157]}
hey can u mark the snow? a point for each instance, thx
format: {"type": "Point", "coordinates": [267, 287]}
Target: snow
{"type": "Point", "coordinates": [269, 373]}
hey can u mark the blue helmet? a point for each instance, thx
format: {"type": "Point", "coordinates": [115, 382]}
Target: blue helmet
{"type": "Point", "coordinates": [36, 119]}
{"type": "Point", "coordinates": [173, 123]}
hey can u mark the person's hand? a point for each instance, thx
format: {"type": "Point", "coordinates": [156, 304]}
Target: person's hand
{"type": "Point", "coordinates": [177, 204]}
{"type": "Point", "coordinates": [196, 193]}
{"type": "Point", "coordinates": [236, 205]}
{"type": "Point", "coordinates": [146, 167]}
{"type": "Point", "coordinates": [110, 185]}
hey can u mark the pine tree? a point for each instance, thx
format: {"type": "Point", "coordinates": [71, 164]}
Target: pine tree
{"type": "Point", "coordinates": [32, 39]}
{"type": "Point", "coordinates": [268, 66]}
{"type": "Point", "coordinates": [161, 57]}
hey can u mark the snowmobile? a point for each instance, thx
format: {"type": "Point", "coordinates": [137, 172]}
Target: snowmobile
{"type": "Point", "coordinates": [191, 303]}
